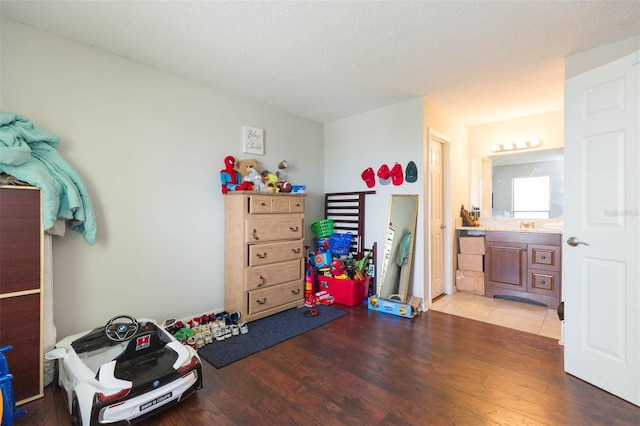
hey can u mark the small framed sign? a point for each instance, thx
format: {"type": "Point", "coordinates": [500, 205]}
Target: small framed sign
{"type": "Point", "coordinates": [252, 140]}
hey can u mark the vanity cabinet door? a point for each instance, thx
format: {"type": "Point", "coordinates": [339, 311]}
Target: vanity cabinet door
{"type": "Point", "coordinates": [505, 265]}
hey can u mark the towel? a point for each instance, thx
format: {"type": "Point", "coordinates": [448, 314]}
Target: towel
{"type": "Point", "coordinates": [29, 154]}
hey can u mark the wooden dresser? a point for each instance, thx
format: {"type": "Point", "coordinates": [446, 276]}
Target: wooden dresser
{"type": "Point", "coordinates": [264, 253]}
{"type": "Point", "coordinates": [21, 288]}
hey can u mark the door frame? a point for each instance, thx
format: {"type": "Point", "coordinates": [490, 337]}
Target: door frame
{"type": "Point", "coordinates": [447, 218]}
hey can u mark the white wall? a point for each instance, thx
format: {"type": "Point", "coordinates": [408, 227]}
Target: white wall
{"type": "Point", "coordinates": [149, 147]}
{"type": "Point", "coordinates": [590, 59]}
{"type": "Point", "coordinates": [383, 136]}
{"type": "Point", "coordinates": [548, 127]}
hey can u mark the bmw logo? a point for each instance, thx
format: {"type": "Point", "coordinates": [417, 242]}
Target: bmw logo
{"type": "Point", "coordinates": [122, 328]}
{"type": "Point", "coordinates": [156, 383]}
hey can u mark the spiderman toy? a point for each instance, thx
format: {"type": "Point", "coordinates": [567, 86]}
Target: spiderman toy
{"type": "Point", "coordinates": [231, 179]}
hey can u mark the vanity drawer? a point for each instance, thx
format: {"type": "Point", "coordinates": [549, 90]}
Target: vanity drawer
{"type": "Point", "coordinates": [264, 254]}
{"type": "Point", "coordinates": [544, 282]}
{"type": "Point", "coordinates": [271, 228]}
{"type": "Point", "coordinates": [544, 257]}
{"type": "Point", "coordinates": [264, 299]}
{"type": "Point", "coordinates": [264, 276]}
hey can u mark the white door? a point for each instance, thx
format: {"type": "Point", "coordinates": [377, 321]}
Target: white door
{"type": "Point", "coordinates": [601, 278]}
{"type": "Point", "coordinates": [436, 217]}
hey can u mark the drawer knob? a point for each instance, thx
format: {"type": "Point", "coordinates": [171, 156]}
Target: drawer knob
{"type": "Point", "coordinates": [255, 234]}
{"type": "Point", "coordinates": [296, 250]}
{"type": "Point", "coordinates": [262, 302]}
{"type": "Point", "coordinates": [294, 228]}
{"type": "Point", "coordinates": [261, 281]}
{"type": "Point", "coordinates": [263, 203]}
{"type": "Point", "coordinates": [296, 291]}
{"type": "Point", "coordinates": [543, 282]}
{"type": "Point", "coordinates": [262, 256]}
{"type": "Point", "coordinates": [544, 257]}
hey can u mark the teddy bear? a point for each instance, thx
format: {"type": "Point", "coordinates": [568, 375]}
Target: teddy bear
{"type": "Point", "coordinates": [248, 168]}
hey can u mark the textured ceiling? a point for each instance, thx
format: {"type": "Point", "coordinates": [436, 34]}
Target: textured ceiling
{"type": "Point", "coordinates": [480, 60]}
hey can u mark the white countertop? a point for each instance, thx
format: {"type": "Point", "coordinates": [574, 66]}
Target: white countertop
{"type": "Point", "coordinates": [545, 226]}
{"type": "Point", "coordinates": [540, 230]}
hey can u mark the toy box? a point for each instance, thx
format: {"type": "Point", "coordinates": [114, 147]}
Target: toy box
{"type": "Point", "coordinates": [407, 310]}
{"type": "Point", "coordinates": [345, 292]}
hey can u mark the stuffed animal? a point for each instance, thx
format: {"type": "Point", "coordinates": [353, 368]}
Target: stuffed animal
{"type": "Point", "coordinates": [230, 178]}
{"type": "Point", "coordinates": [270, 181]}
{"type": "Point", "coordinates": [249, 170]}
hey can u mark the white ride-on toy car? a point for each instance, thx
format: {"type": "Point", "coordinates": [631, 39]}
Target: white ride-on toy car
{"type": "Point", "coordinates": [124, 372]}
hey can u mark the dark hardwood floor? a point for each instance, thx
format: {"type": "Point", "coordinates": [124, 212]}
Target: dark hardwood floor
{"type": "Point", "coordinates": [377, 369]}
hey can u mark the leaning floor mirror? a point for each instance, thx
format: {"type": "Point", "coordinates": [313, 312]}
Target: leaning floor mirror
{"type": "Point", "coordinates": [397, 256]}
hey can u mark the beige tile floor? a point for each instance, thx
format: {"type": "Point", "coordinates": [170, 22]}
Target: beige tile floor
{"type": "Point", "coordinates": [520, 316]}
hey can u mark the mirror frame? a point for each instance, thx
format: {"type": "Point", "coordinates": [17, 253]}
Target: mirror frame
{"type": "Point", "coordinates": [402, 220]}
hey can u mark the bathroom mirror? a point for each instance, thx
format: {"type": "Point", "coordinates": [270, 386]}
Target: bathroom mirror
{"type": "Point", "coordinates": [397, 254]}
{"type": "Point", "coordinates": [523, 185]}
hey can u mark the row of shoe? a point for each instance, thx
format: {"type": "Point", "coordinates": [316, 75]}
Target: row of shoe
{"type": "Point", "coordinates": [204, 330]}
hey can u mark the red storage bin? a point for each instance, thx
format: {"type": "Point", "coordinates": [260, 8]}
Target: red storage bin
{"type": "Point", "coordinates": [345, 292]}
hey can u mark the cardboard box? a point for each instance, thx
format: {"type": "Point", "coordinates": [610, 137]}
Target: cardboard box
{"type": "Point", "coordinates": [470, 281]}
{"type": "Point", "coordinates": [471, 262]}
{"type": "Point", "coordinates": [345, 292]}
{"type": "Point", "coordinates": [407, 310]}
{"type": "Point", "coordinates": [471, 245]}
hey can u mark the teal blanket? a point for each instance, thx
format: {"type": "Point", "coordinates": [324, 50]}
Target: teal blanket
{"type": "Point", "coordinates": [29, 154]}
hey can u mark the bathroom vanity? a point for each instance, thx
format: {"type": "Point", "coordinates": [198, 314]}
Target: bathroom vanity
{"type": "Point", "coordinates": [524, 265]}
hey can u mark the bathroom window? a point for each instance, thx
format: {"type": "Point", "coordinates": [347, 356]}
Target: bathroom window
{"type": "Point", "coordinates": [531, 197]}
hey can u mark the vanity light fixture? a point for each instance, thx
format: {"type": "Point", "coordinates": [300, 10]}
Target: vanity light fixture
{"type": "Point", "coordinates": [512, 146]}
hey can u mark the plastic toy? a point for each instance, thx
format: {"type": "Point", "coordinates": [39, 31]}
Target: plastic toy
{"type": "Point", "coordinates": [8, 410]}
{"type": "Point", "coordinates": [124, 371]}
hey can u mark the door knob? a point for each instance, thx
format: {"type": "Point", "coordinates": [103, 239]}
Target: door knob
{"type": "Point", "coordinates": [575, 242]}
{"type": "Point", "coordinates": [443, 226]}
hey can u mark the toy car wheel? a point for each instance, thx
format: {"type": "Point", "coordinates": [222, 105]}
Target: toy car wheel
{"type": "Point", "coordinates": [76, 417]}
{"type": "Point", "coordinates": [121, 331]}
{"type": "Point", "coordinates": [56, 374]}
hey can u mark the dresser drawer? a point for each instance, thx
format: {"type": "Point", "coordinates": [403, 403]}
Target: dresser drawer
{"type": "Point", "coordinates": [264, 204]}
{"type": "Point", "coordinates": [259, 204]}
{"type": "Point", "coordinates": [264, 276]}
{"type": "Point", "coordinates": [273, 228]}
{"type": "Point", "coordinates": [261, 300]}
{"type": "Point", "coordinates": [296, 205]}
{"type": "Point", "coordinates": [264, 254]}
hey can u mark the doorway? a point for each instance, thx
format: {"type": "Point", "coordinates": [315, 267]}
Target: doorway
{"type": "Point", "coordinates": [438, 256]}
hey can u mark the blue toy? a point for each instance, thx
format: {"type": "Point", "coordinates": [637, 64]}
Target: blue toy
{"type": "Point", "coordinates": [8, 411]}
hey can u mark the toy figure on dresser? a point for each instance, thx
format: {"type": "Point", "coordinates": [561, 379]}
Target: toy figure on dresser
{"type": "Point", "coordinates": [273, 182]}
{"type": "Point", "coordinates": [231, 179]}
{"type": "Point", "coordinates": [270, 181]}
{"type": "Point", "coordinates": [249, 170]}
